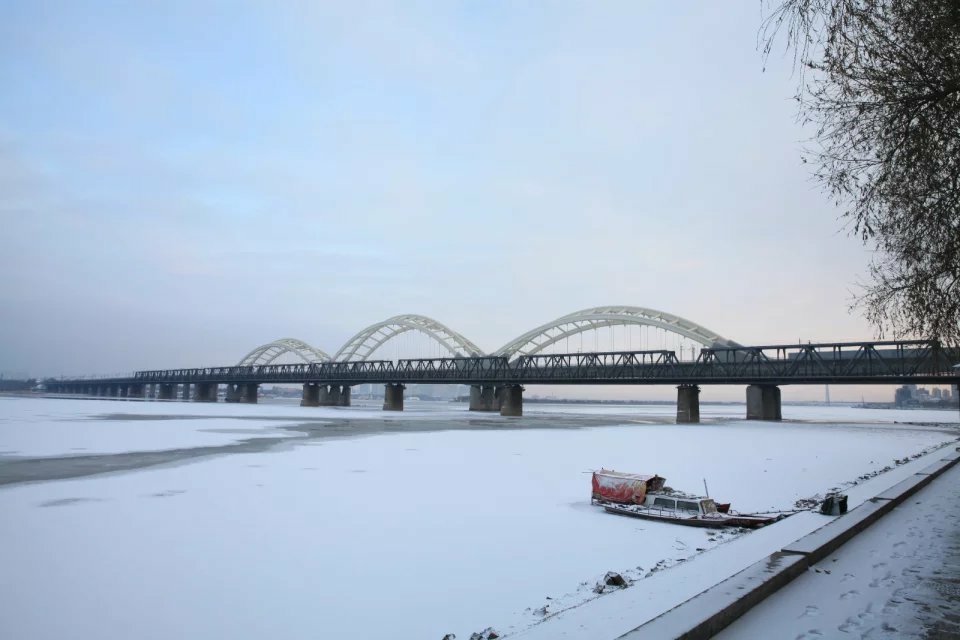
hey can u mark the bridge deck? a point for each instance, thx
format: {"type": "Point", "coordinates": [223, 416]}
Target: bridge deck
{"type": "Point", "coordinates": [889, 362]}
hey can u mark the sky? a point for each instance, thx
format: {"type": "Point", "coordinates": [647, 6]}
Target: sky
{"type": "Point", "coordinates": [183, 181]}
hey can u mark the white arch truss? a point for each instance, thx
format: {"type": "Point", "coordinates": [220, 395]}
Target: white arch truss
{"type": "Point", "coordinates": [267, 353]}
{"type": "Point", "coordinates": [536, 340]}
{"type": "Point", "coordinates": [362, 345]}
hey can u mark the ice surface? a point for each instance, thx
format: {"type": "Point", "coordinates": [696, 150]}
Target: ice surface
{"type": "Point", "coordinates": [31, 427]}
{"type": "Point", "coordinates": [406, 535]}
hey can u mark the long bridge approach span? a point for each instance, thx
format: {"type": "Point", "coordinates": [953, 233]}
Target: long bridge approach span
{"type": "Point", "coordinates": [497, 382]}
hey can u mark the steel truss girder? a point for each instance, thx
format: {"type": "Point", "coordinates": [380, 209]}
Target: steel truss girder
{"type": "Point", "coordinates": [893, 362]}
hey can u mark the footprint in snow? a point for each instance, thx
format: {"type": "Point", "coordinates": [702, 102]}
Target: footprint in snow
{"type": "Point", "coordinates": [850, 625]}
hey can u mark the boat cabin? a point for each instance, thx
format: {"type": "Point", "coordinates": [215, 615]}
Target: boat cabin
{"type": "Point", "coordinates": [693, 505]}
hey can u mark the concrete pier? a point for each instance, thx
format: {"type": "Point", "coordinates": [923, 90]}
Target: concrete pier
{"type": "Point", "coordinates": [484, 398]}
{"type": "Point", "coordinates": [393, 397]}
{"type": "Point", "coordinates": [135, 391]}
{"type": "Point", "coordinates": [232, 393]}
{"type": "Point", "coordinates": [205, 392]}
{"type": "Point", "coordinates": [248, 393]}
{"type": "Point", "coordinates": [167, 392]}
{"type": "Point", "coordinates": [333, 396]}
{"type": "Point", "coordinates": [311, 395]}
{"type": "Point", "coordinates": [763, 402]}
{"type": "Point", "coordinates": [327, 395]}
{"type": "Point", "coordinates": [511, 400]}
{"type": "Point", "coordinates": [185, 392]}
{"type": "Point", "coordinates": [688, 404]}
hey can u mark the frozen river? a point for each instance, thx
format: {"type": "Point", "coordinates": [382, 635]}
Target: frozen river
{"type": "Point", "coordinates": [159, 520]}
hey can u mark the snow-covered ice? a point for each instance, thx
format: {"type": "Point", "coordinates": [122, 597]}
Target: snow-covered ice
{"type": "Point", "coordinates": [34, 427]}
{"type": "Point", "coordinates": [394, 534]}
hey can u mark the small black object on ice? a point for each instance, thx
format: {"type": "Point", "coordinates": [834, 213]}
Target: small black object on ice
{"type": "Point", "coordinates": [834, 504]}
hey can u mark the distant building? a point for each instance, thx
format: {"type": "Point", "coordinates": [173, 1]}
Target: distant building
{"type": "Point", "coordinates": [910, 396]}
{"type": "Point", "coordinates": [903, 396]}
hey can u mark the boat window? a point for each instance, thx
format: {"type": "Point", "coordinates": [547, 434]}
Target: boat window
{"type": "Point", "coordinates": [709, 506]}
{"type": "Point", "coordinates": [687, 506]}
{"type": "Point", "coordinates": [665, 502]}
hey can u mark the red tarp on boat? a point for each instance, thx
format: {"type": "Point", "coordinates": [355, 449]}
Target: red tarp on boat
{"type": "Point", "coordinates": [627, 488]}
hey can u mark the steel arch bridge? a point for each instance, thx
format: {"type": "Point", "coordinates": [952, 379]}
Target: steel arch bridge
{"type": "Point", "coordinates": [267, 353]}
{"type": "Point", "coordinates": [362, 345]}
{"type": "Point", "coordinates": [538, 339]}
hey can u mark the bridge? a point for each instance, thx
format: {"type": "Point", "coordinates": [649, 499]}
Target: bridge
{"type": "Point", "coordinates": [497, 379]}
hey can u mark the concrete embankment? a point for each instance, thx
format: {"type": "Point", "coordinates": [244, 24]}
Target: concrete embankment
{"type": "Point", "coordinates": [714, 609]}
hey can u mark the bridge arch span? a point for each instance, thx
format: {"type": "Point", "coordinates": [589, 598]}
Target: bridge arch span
{"type": "Point", "coordinates": [363, 344]}
{"type": "Point", "coordinates": [267, 353]}
{"type": "Point", "coordinates": [540, 338]}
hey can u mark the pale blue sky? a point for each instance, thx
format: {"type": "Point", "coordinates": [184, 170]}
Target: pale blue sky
{"type": "Point", "coordinates": [181, 181]}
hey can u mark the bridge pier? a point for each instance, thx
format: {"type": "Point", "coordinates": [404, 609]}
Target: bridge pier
{"type": "Point", "coordinates": [328, 395]}
{"type": "Point", "coordinates": [185, 392]}
{"type": "Point", "coordinates": [393, 397]}
{"type": "Point", "coordinates": [511, 400]}
{"type": "Point", "coordinates": [135, 391]}
{"type": "Point", "coordinates": [688, 404]}
{"type": "Point", "coordinates": [205, 392]}
{"type": "Point", "coordinates": [311, 395]}
{"type": "Point", "coordinates": [167, 392]}
{"type": "Point", "coordinates": [232, 393]}
{"type": "Point", "coordinates": [484, 398]}
{"type": "Point", "coordinates": [333, 396]}
{"type": "Point", "coordinates": [248, 393]}
{"type": "Point", "coordinates": [763, 402]}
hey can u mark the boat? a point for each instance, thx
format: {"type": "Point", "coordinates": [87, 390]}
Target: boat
{"type": "Point", "coordinates": [648, 497]}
